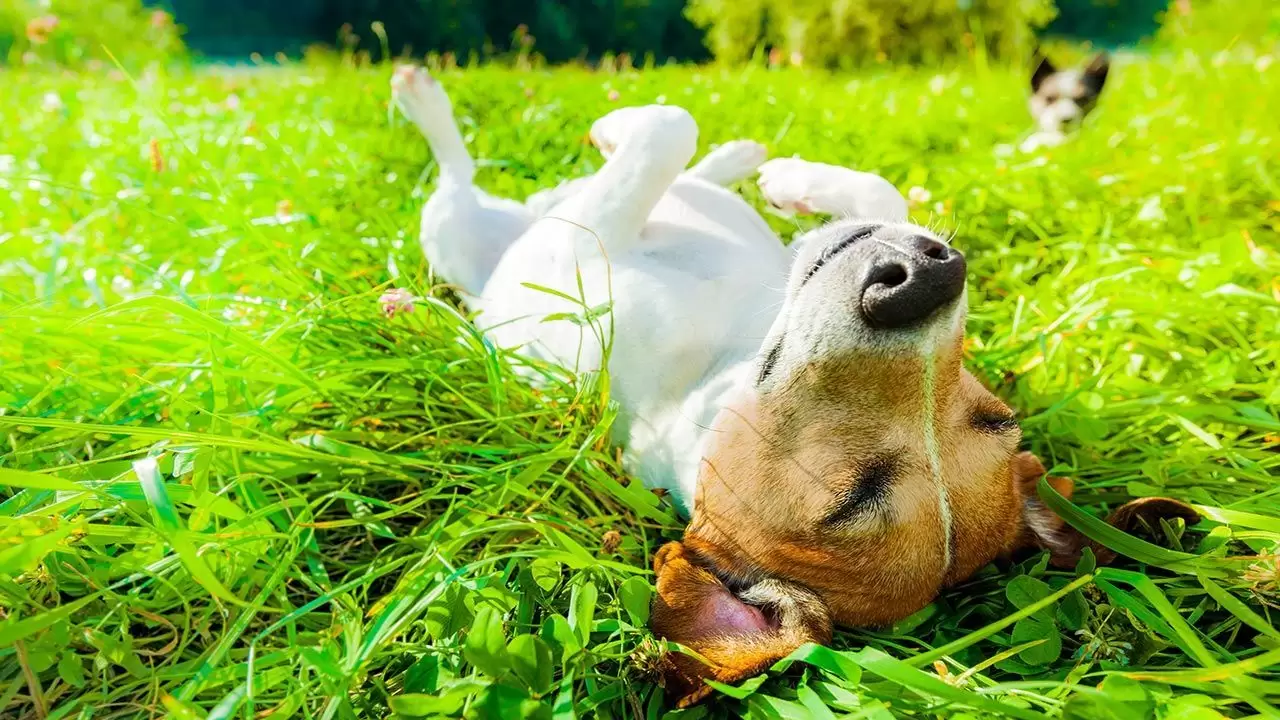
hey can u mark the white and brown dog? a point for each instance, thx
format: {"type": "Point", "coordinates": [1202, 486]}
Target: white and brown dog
{"type": "Point", "coordinates": [806, 405]}
{"type": "Point", "coordinates": [1061, 99]}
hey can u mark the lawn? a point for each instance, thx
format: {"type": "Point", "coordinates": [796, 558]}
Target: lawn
{"type": "Point", "coordinates": [235, 489]}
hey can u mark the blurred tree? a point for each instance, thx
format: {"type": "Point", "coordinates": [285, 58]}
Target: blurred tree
{"type": "Point", "coordinates": [560, 29]}
{"type": "Point", "coordinates": [1107, 22]}
{"type": "Point", "coordinates": [845, 33]}
{"type": "Point", "coordinates": [240, 27]}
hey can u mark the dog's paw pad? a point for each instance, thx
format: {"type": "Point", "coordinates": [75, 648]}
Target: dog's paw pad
{"type": "Point", "coordinates": [607, 132]}
{"type": "Point", "coordinates": [785, 183]}
{"type": "Point", "coordinates": [413, 86]}
{"type": "Point", "coordinates": [421, 98]}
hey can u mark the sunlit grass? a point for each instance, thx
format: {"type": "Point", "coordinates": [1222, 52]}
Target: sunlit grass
{"type": "Point", "coordinates": [235, 489]}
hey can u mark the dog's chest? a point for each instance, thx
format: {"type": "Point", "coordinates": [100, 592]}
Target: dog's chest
{"type": "Point", "coordinates": [694, 294]}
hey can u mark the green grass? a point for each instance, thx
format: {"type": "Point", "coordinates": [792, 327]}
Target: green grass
{"type": "Point", "coordinates": [234, 489]}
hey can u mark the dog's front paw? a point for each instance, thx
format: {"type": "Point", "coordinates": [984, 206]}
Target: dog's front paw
{"type": "Point", "coordinates": [731, 162]}
{"type": "Point", "coordinates": [660, 123]}
{"type": "Point", "coordinates": [786, 184]}
{"type": "Point", "coordinates": [739, 157]}
{"type": "Point", "coordinates": [608, 132]}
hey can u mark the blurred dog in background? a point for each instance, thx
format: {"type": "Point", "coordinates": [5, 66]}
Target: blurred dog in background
{"type": "Point", "coordinates": [1061, 99]}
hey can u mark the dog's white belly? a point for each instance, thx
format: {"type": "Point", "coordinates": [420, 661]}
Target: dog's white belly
{"type": "Point", "coordinates": [691, 299]}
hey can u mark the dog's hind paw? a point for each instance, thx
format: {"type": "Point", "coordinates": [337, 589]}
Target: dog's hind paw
{"type": "Point", "coordinates": [420, 97]}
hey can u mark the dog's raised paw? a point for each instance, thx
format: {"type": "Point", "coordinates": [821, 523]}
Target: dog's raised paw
{"type": "Point", "coordinates": [732, 161]}
{"type": "Point", "coordinates": [785, 183]}
{"type": "Point", "coordinates": [415, 90]}
{"type": "Point", "coordinates": [663, 123]}
{"type": "Point", "coordinates": [421, 98]}
{"type": "Point", "coordinates": [609, 131]}
{"type": "Point", "coordinates": [410, 80]}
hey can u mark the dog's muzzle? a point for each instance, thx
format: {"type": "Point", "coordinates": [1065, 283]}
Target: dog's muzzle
{"type": "Point", "coordinates": [906, 280]}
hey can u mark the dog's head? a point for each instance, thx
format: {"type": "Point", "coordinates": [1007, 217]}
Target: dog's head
{"type": "Point", "coordinates": [1062, 98]}
{"type": "Point", "coordinates": [861, 470]}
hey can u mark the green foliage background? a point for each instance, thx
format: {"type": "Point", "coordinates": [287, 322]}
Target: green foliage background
{"type": "Point", "coordinates": [853, 33]}
{"type": "Point", "coordinates": [87, 31]}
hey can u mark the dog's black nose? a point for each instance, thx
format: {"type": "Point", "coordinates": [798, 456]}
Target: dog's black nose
{"type": "Point", "coordinates": [906, 284]}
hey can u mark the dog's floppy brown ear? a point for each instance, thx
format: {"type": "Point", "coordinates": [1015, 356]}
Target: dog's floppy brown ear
{"type": "Point", "coordinates": [1042, 72]}
{"type": "Point", "coordinates": [738, 634]}
{"type": "Point", "coordinates": [1044, 529]}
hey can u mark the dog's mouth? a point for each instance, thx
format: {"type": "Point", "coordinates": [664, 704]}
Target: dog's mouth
{"type": "Point", "coordinates": [835, 250]}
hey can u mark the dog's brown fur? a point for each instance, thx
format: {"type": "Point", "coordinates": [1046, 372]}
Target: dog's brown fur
{"type": "Point", "coordinates": [760, 534]}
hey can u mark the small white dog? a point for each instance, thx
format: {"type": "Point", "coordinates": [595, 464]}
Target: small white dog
{"type": "Point", "coordinates": [1061, 99]}
{"type": "Point", "coordinates": [807, 406]}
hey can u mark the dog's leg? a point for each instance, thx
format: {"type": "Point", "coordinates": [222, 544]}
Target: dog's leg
{"type": "Point", "coordinates": [807, 187]}
{"type": "Point", "coordinates": [735, 160]}
{"type": "Point", "coordinates": [464, 231]}
{"type": "Point", "coordinates": [731, 162]}
{"type": "Point", "coordinates": [647, 148]}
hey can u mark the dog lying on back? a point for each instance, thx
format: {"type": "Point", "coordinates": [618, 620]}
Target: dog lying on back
{"type": "Point", "coordinates": [1061, 99]}
{"type": "Point", "coordinates": [806, 404]}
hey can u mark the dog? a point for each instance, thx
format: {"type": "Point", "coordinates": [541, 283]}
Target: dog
{"type": "Point", "coordinates": [1061, 99]}
{"type": "Point", "coordinates": [805, 405]}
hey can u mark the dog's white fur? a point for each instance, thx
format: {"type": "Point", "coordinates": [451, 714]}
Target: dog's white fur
{"type": "Point", "coordinates": [695, 279]}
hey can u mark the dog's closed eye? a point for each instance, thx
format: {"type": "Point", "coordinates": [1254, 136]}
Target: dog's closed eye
{"type": "Point", "coordinates": [868, 493]}
{"type": "Point", "coordinates": [993, 422]}
{"type": "Point", "coordinates": [861, 234]}
{"type": "Point", "coordinates": [770, 361]}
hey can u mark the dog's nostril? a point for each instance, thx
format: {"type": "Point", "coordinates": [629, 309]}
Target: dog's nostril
{"type": "Point", "coordinates": [890, 276]}
{"type": "Point", "coordinates": [928, 247]}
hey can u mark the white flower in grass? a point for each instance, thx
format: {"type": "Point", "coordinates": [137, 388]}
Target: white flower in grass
{"type": "Point", "coordinates": [396, 300]}
{"type": "Point", "coordinates": [918, 196]}
{"type": "Point", "coordinates": [51, 102]}
{"type": "Point", "coordinates": [1152, 211]}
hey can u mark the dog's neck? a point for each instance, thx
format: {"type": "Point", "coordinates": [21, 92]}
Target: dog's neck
{"type": "Point", "coordinates": [701, 406]}
{"type": "Point", "coordinates": [669, 448]}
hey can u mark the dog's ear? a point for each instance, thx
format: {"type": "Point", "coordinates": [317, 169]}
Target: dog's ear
{"type": "Point", "coordinates": [1043, 70]}
{"type": "Point", "coordinates": [1042, 528]}
{"type": "Point", "coordinates": [1095, 73]}
{"type": "Point", "coordinates": [737, 634]}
